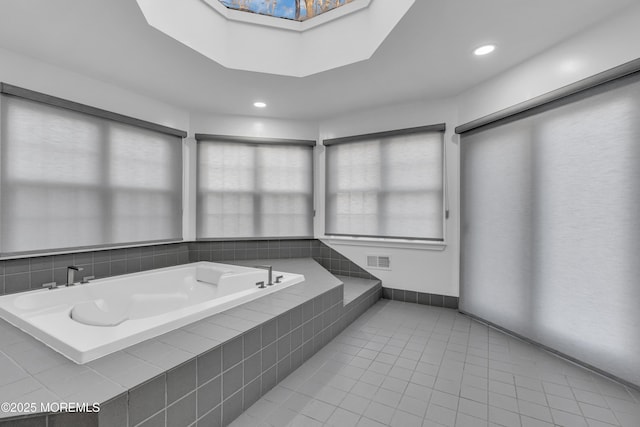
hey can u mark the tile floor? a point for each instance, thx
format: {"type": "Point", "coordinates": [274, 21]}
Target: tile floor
{"type": "Point", "coordinates": [403, 364]}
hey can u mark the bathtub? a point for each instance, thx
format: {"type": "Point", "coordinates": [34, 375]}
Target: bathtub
{"type": "Point", "coordinates": [87, 321]}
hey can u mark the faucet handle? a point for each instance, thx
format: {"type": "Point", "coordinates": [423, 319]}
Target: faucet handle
{"type": "Point", "coordinates": [279, 278]}
{"type": "Point", "coordinates": [50, 285]}
{"type": "Point", "coordinates": [260, 284]}
{"type": "Point", "coordinates": [86, 279]}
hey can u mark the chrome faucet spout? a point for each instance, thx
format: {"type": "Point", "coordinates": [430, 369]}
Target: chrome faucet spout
{"type": "Point", "coordinates": [270, 269]}
{"type": "Point", "coordinates": [71, 270]}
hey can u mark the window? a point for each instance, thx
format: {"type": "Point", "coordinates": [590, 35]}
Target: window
{"type": "Point", "coordinates": [387, 184]}
{"type": "Point", "coordinates": [298, 10]}
{"type": "Point", "coordinates": [549, 233]}
{"type": "Point", "coordinates": [250, 188]}
{"type": "Point", "coordinates": [70, 178]}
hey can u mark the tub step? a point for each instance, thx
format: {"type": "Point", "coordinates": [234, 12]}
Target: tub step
{"type": "Point", "coordinates": [355, 287]}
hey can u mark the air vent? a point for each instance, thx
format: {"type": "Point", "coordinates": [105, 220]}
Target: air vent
{"type": "Point", "coordinates": [381, 262]}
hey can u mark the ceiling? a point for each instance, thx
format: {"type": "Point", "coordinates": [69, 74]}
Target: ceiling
{"type": "Point", "coordinates": [428, 55]}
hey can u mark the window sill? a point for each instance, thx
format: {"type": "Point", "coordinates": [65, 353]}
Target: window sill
{"type": "Point", "coordinates": [423, 245]}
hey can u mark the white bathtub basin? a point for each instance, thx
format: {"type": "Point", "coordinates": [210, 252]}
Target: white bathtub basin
{"type": "Point", "coordinates": [85, 322]}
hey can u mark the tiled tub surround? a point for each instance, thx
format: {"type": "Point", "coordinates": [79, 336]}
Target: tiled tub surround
{"type": "Point", "coordinates": [420, 298]}
{"type": "Point", "coordinates": [203, 374]}
{"type": "Point", "coordinates": [18, 275]}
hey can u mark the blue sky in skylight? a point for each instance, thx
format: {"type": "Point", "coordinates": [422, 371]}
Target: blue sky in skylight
{"type": "Point", "coordinates": [287, 9]}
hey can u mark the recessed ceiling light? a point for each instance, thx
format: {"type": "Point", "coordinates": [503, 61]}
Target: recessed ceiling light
{"type": "Point", "coordinates": [483, 50]}
{"type": "Point", "coordinates": [259, 104]}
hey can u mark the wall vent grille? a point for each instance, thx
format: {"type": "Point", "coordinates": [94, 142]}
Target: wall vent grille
{"type": "Point", "coordinates": [380, 262]}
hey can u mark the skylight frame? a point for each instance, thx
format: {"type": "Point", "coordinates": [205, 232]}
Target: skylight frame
{"type": "Point", "coordinates": [287, 24]}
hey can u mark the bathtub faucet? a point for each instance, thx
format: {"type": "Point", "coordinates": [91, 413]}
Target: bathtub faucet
{"type": "Point", "coordinates": [270, 269]}
{"type": "Point", "coordinates": [71, 270]}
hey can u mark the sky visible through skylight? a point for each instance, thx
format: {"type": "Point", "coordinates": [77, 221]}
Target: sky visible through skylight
{"type": "Point", "coordinates": [298, 10]}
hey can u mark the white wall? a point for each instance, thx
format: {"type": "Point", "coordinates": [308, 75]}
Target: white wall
{"type": "Point", "coordinates": [26, 72]}
{"type": "Point", "coordinates": [29, 73]}
{"type": "Point", "coordinates": [595, 50]}
{"type": "Point", "coordinates": [423, 268]}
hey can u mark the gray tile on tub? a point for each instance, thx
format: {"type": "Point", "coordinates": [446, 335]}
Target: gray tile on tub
{"type": "Point", "coordinates": [83, 258]}
{"type": "Point", "coordinates": [28, 421]}
{"type": "Point", "coordinates": [211, 331]}
{"type": "Point", "coordinates": [269, 332]}
{"type": "Point", "coordinates": [209, 365]}
{"type": "Point", "coordinates": [251, 393]}
{"type": "Point", "coordinates": [146, 263]}
{"type": "Point", "coordinates": [269, 356]}
{"type": "Point", "coordinates": [125, 369]}
{"type": "Point", "coordinates": [14, 390]}
{"type": "Point", "coordinates": [284, 346]}
{"type": "Point", "coordinates": [232, 381]}
{"type": "Point", "coordinates": [100, 270]}
{"type": "Point", "coordinates": [252, 368]}
{"type": "Point", "coordinates": [65, 419]}
{"type": "Point", "coordinates": [191, 343]}
{"type": "Point", "coordinates": [284, 324]}
{"type": "Point", "coordinates": [159, 354]}
{"type": "Point", "coordinates": [157, 420]}
{"type": "Point", "coordinates": [230, 322]}
{"type": "Point", "coordinates": [269, 379]}
{"type": "Point", "coordinates": [183, 412]}
{"type": "Point", "coordinates": [34, 357]}
{"type": "Point", "coordinates": [41, 263]}
{"type": "Point", "coordinates": [252, 341]}
{"type": "Point", "coordinates": [118, 254]}
{"type": "Point", "coordinates": [38, 278]}
{"type": "Point", "coordinates": [114, 412]}
{"type": "Point", "coordinates": [133, 265]}
{"type": "Point", "coordinates": [118, 267]}
{"type": "Point", "coordinates": [232, 353]}
{"type": "Point", "coordinates": [9, 371]}
{"type": "Point", "coordinates": [15, 266]}
{"type": "Point", "coordinates": [19, 282]}
{"type": "Point", "coordinates": [212, 418]}
{"type": "Point", "coordinates": [209, 395]}
{"type": "Point", "coordinates": [232, 408]}
{"type": "Point", "coordinates": [181, 381]}
{"type": "Point", "coordinates": [146, 399]}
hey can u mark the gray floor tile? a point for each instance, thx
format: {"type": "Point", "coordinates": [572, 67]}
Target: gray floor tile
{"type": "Point", "coordinates": [405, 364]}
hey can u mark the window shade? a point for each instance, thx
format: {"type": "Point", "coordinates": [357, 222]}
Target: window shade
{"type": "Point", "coordinates": [72, 180]}
{"type": "Point", "coordinates": [254, 190]}
{"type": "Point", "coordinates": [550, 224]}
{"type": "Point", "coordinates": [386, 185]}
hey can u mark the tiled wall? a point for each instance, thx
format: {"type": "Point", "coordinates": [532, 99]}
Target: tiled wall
{"type": "Point", "coordinates": [24, 274]}
{"type": "Point", "coordinates": [259, 249]}
{"type": "Point", "coordinates": [420, 298]}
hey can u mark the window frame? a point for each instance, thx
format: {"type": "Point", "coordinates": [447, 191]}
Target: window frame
{"type": "Point", "coordinates": [382, 240]}
{"type": "Point", "coordinates": [256, 195]}
{"type": "Point", "coordinates": [107, 117]}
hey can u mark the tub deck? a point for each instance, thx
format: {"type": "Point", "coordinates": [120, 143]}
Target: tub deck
{"type": "Point", "coordinates": [249, 348]}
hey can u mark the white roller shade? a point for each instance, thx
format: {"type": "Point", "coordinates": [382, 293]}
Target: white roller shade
{"type": "Point", "coordinates": [72, 180]}
{"type": "Point", "coordinates": [550, 229]}
{"type": "Point", "coordinates": [250, 190]}
{"type": "Point", "coordinates": [386, 187]}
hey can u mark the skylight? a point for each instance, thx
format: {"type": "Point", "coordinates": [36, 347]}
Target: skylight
{"type": "Point", "coordinates": [297, 10]}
